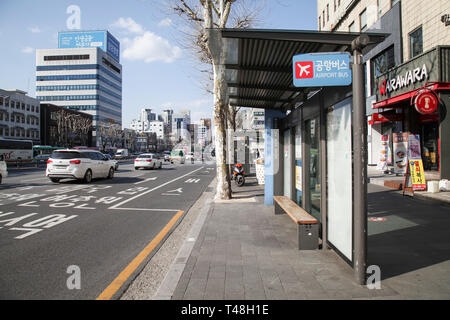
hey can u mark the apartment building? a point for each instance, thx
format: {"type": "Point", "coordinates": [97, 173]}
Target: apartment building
{"type": "Point", "coordinates": [19, 116]}
{"type": "Point", "coordinates": [413, 57]}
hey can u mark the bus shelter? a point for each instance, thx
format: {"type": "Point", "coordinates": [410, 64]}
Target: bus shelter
{"type": "Point", "coordinates": [311, 153]}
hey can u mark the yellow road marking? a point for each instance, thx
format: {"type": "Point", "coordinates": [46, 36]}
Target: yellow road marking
{"type": "Point", "coordinates": [109, 292]}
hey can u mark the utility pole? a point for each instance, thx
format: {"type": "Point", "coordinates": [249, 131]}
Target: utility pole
{"type": "Point", "coordinates": [359, 161]}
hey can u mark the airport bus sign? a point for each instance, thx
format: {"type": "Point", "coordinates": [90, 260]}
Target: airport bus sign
{"type": "Point", "coordinates": [322, 69]}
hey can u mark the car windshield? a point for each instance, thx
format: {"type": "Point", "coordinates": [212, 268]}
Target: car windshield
{"type": "Point", "coordinates": [66, 155]}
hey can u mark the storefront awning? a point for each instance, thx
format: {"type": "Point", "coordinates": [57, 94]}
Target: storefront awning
{"type": "Point", "coordinates": [259, 62]}
{"type": "Point", "coordinates": [398, 101]}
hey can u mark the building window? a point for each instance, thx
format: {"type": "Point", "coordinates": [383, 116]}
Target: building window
{"type": "Point", "coordinates": [381, 64]}
{"type": "Point", "coordinates": [415, 42]}
{"type": "Point", "coordinates": [328, 12]}
{"type": "Point", "coordinates": [394, 2]}
{"type": "Point", "coordinates": [334, 5]}
{"type": "Point", "coordinates": [351, 27]}
{"type": "Point", "coordinates": [363, 20]}
{"type": "Point", "coordinates": [323, 17]}
{"type": "Point", "coordinates": [320, 25]}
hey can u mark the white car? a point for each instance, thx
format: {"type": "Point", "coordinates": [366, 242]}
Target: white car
{"type": "Point", "coordinates": [147, 161]}
{"type": "Point", "coordinates": [3, 169]}
{"type": "Point", "coordinates": [83, 165]}
{"type": "Point", "coordinates": [115, 162]}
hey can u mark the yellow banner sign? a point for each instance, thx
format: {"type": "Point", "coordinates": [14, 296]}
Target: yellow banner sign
{"type": "Point", "coordinates": [417, 175]}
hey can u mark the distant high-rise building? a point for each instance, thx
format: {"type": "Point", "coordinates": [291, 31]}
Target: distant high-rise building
{"type": "Point", "coordinates": [83, 74]}
{"type": "Point", "coordinates": [204, 132]}
{"type": "Point", "coordinates": [180, 126]}
{"type": "Point", "coordinates": [142, 124]}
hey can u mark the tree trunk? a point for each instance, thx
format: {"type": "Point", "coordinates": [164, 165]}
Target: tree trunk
{"type": "Point", "coordinates": [223, 177]}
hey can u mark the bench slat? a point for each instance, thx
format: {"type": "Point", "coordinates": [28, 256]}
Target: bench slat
{"type": "Point", "coordinates": [298, 214]}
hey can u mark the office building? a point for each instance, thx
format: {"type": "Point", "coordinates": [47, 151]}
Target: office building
{"type": "Point", "coordinates": [83, 73]}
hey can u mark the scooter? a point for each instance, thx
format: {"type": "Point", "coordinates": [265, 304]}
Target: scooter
{"type": "Point", "coordinates": [239, 175]}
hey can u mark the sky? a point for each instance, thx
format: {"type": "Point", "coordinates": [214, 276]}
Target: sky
{"type": "Point", "coordinates": [157, 70]}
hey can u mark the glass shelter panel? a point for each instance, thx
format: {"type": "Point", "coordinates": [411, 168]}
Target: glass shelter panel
{"type": "Point", "coordinates": [339, 177]}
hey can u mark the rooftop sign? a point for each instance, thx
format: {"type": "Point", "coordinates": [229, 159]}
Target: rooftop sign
{"type": "Point", "coordinates": [88, 39]}
{"type": "Point", "coordinates": [322, 69]}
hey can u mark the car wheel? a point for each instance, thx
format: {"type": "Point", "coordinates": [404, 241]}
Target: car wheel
{"type": "Point", "coordinates": [88, 176]}
{"type": "Point", "coordinates": [136, 168]}
{"type": "Point", "coordinates": [111, 173]}
{"type": "Point", "coordinates": [54, 180]}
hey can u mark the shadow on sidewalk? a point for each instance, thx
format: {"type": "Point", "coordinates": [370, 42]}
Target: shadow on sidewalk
{"type": "Point", "coordinates": [413, 236]}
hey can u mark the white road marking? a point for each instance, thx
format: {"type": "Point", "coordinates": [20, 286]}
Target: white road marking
{"type": "Point", "coordinates": [150, 190]}
{"type": "Point", "coordinates": [192, 180]}
{"type": "Point", "coordinates": [147, 209]}
{"type": "Point", "coordinates": [148, 179]}
{"type": "Point", "coordinates": [179, 190]}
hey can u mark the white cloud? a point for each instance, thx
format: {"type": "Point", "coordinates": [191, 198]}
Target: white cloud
{"type": "Point", "coordinates": [129, 24]}
{"type": "Point", "coordinates": [27, 50]}
{"type": "Point", "coordinates": [167, 22]}
{"type": "Point", "coordinates": [145, 45]}
{"type": "Point", "coordinates": [150, 47]}
{"type": "Point", "coordinates": [34, 29]}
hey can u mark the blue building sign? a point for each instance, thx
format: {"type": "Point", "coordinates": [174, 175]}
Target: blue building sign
{"type": "Point", "coordinates": [322, 69]}
{"type": "Point", "coordinates": [88, 39]}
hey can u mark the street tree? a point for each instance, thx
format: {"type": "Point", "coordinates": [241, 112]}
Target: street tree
{"type": "Point", "coordinates": [201, 16]}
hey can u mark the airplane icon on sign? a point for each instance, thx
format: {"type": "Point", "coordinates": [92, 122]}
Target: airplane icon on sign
{"type": "Point", "coordinates": [303, 69]}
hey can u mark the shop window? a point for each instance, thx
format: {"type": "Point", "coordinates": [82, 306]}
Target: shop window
{"type": "Point", "coordinates": [380, 65]}
{"type": "Point", "coordinates": [415, 42]}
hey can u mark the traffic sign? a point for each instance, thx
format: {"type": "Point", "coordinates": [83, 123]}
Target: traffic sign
{"type": "Point", "coordinates": [322, 69]}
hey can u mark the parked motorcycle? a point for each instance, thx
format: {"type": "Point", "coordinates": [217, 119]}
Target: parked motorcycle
{"type": "Point", "coordinates": [239, 175]}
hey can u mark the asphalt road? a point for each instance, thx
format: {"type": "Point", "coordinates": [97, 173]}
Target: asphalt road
{"type": "Point", "coordinates": [51, 233]}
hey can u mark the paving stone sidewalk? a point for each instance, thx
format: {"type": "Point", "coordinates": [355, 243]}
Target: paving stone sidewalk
{"type": "Point", "coordinates": [244, 251]}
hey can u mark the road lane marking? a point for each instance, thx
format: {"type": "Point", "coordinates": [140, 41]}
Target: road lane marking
{"type": "Point", "coordinates": [146, 209]}
{"type": "Point", "coordinates": [150, 190]}
{"type": "Point", "coordinates": [148, 179]}
{"type": "Point", "coordinates": [117, 283]}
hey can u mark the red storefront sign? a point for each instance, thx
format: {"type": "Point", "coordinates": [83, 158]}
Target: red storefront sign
{"type": "Point", "coordinates": [385, 117]}
{"type": "Point", "coordinates": [426, 102]}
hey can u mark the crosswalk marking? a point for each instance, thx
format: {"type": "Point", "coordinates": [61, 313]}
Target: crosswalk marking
{"type": "Point", "coordinates": [192, 180]}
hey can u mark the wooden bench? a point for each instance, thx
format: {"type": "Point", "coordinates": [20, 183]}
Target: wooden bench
{"type": "Point", "coordinates": [308, 226]}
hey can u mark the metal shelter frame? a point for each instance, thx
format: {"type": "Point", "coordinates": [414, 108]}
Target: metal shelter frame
{"type": "Point", "coordinates": [258, 68]}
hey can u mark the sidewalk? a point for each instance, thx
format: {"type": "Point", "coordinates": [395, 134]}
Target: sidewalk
{"type": "Point", "coordinates": [241, 250]}
{"type": "Point", "coordinates": [396, 182]}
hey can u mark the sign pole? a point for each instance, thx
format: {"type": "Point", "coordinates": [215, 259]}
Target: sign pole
{"type": "Point", "coordinates": [359, 162]}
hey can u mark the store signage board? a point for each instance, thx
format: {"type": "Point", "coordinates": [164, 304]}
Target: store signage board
{"type": "Point", "coordinates": [426, 102]}
{"type": "Point", "coordinates": [321, 69]}
{"type": "Point", "coordinates": [400, 144]}
{"type": "Point", "coordinates": [417, 175]}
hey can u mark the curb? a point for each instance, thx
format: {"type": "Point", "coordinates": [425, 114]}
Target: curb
{"type": "Point", "coordinates": [170, 282]}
